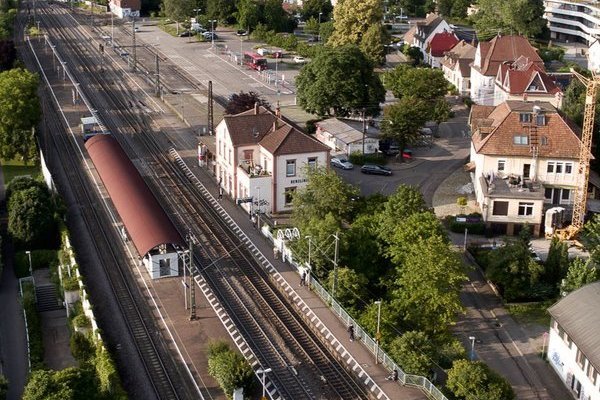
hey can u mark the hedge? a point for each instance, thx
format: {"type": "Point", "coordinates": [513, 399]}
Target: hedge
{"type": "Point", "coordinates": [39, 259]}
{"type": "Point", "coordinates": [108, 376]}
{"type": "Point", "coordinates": [373, 158]}
{"type": "Point", "coordinates": [34, 327]}
{"type": "Point", "coordinates": [82, 347]}
{"type": "Point", "coordinates": [229, 368]}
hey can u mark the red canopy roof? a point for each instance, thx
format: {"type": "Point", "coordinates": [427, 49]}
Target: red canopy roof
{"type": "Point", "coordinates": [441, 43]}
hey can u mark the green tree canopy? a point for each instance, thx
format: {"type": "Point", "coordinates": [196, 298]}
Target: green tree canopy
{"type": "Point", "coordinates": [337, 81]}
{"type": "Point", "coordinates": [579, 274]}
{"type": "Point", "coordinates": [422, 83]}
{"type": "Point", "coordinates": [67, 384]}
{"type": "Point", "coordinates": [428, 286]}
{"type": "Point", "coordinates": [248, 14]}
{"type": "Point", "coordinates": [350, 287]}
{"type": "Point", "coordinates": [417, 226]}
{"type": "Point", "coordinates": [389, 319]}
{"type": "Point", "coordinates": [362, 251]}
{"type": "Point", "coordinates": [8, 54]}
{"type": "Point", "coordinates": [312, 8]}
{"type": "Point", "coordinates": [243, 101]}
{"type": "Point", "coordinates": [229, 368]}
{"type": "Point", "coordinates": [475, 380]}
{"type": "Point", "coordinates": [414, 53]}
{"type": "Point", "coordinates": [3, 387]}
{"type": "Point", "coordinates": [403, 120]}
{"type": "Point", "coordinates": [31, 216]}
{"type": "Point", "coordinates": [405, 201]}
{"type": "Point", "coordinates": [358, 22]}
{"type": "Point", "coordinates": [24, 182]}
{"type": "Point", "coordinates": [509, 17]}
{"type": "Point", "coordinates": [178, 10]}
{"type": "Point", "coordinates": [19, 113]}
{"type": "Point", "coordinates": [414, 351]}
{"type": "Point", "coordinates": [557, 262]}
{"type": "Point", "coordinates": [321, 242]}
{"type": "Point", "coordinates": [221, 10]}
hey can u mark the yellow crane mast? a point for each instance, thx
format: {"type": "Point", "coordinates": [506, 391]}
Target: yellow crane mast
{"type": "Point", "coordinates": [580, 201]}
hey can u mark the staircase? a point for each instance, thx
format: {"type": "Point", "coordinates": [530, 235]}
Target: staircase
{"type": "Point", "coordinates": [47, 299]}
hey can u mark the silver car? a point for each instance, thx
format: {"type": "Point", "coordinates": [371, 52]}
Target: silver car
{"type": "Point", "coordinates": [341, 163]}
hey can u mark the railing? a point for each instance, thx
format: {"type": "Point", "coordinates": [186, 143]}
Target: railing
{"type": "Point", "coordinates": [360, 334]}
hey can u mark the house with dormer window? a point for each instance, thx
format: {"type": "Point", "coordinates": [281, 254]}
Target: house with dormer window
{"type": "Point", "coordinates": [524, 158]}
{"type": "Point", "coordinates": [574, 342]}
{"type": "Point", "coordinates": [456, 66]}
{"type": "Point", "coordinates": [261, 159]}
{"type": "Point", "coordinates": [422, 32]}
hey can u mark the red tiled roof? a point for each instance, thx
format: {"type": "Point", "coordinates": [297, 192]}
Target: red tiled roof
{"type": "Point", "coordinates": [287, 140]}
{"type": "Point", "coordinates": [250, 126]}
{"type": "Point", "coordinates": [145, 220]}
{"type": "Point", "coordinates": [525, 77]}
{"type": "Point", "coordinates": [441, 43]}
{"type": "Point", "coordinates": [506, 48]}
{"type": "Point", "coordinates": [503, 123]}
{"type": "Point", "coordinates": [462, 54]}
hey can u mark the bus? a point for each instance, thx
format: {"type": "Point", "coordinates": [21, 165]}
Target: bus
{"type": "Point", "coordinates": [255, 61]}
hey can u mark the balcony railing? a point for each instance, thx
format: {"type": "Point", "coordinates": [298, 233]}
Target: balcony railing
{"type": "Point", "coordinates": [252, 170]}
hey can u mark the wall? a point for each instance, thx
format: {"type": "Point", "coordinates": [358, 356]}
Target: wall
{"type": "Point", "coordinates": [152, 264]}
{"type": "Point", "coordinates": [282, 181]}
{"type": "Point", "coordinates": [482, 88]}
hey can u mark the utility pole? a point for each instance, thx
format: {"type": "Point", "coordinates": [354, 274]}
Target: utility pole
{"type": "Point", "coordinates": [192, 282]}
{"type": "Point", "coordinates": [134, 47]}
{"type": "Point", "coordinates": [335, 264]}
{"type": "Point", "coordinates": [210, 110]}
{"type": "Point", "coordinates": [157, 76]}
{"type": "Point", "coordinates": [92, 16]}
{"type": "Point", "coordinates": [364, 131]}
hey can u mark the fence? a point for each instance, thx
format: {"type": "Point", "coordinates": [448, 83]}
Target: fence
{"type": "Point", "coordinates": [361, 335]}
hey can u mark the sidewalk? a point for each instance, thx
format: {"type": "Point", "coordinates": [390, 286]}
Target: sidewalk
{"type": "Point", "coordinates": [354, 354]}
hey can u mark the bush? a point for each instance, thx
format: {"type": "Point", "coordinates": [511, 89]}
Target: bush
{"type": "Point", "coordinates": [39, 259]}
{"type": "Point", "coordinates": [551, 53]}
{"type": "Point", "coordinates": [467, 101]}
{"type": "Point", "coordinates": [108, 376]}
{"type": "Point", "coordinates": [229, 368]}
{"type": "Point", "coordinates": [82, 347]}
{"type": "Point", "coordinates": [81, 321]}
{"type": "Point", "coordinates": [3, 387]}
{"type": "Point", "coordinates": [70, 283]}
{"type": "Point", "coordinates": [474, 228]}
{"type": "Point", "coordinates": [373, 158]}
{"type": "Point", "coordinates": [34, 327]}
{"type": "Point", "coordinates": [311, 127]}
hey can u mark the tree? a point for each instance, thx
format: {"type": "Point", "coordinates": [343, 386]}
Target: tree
{"type": "Point", "coordinates": [229, 368]}
{"type": "Point", "coordinates": [19, 113]}
{"type": "Point", "coordinates": [30, 216]}
{"type": "Point", "coordinates": [358, 22]}
{"type": "Point", "coordinates": [417, 226]}
{"type": "Point", "coordinates": [428, 286]}
{"type": "Point", "coordinates": [221, 10]}
{"type": "Point", "coordinates": [509, 17]}
{"type": "Point", "coordinates": [350, 287]}
{"type": "Point", "coordinates": [579, 273]}
{"type": "Point", "coordinates": [422, 83]}
{"type": "Point", "coordinates": [389, 319]}
{"type": "Point", "coordinates": [414, 351]}
{"type": "Point", "coordinates": [338, 81]}
{"type": "Point", "coordinates": [414, 53]}
{"type": "Point", "coordinates": [312, 8]}
{"type": "Point", "coordinates": [405, 201]}
{"type": "Point", "coordinates": [8, 54]}
{"type": "Point", "coordinates": [459, 8]}
{"type": "Point", "coordinates": [312, 26]}
{"type": "Point", "coordinates": [24, 182]}
{"type": "Point", "coordinates": [82, 348]}
{"type": "Point", "coordinates": [3, 387]}
{"type": "Point", "coordinates": [445, 7]}
{"type": "Point", "coordinates": [248, 14]}
{"type": "Point", "coordinates": [326, 30]}
{"type": "Point", "coordinates": [275, 17]}
{"type": "Point", "coordinates": [43, 386]}
{"type": "Point", "coordinates": [320, 231]}
{"type": "Point", "coordinates": [362, 251]}
{"type": "Point", "coordinates": [243, 101]}
{"type": "Point", "coordinates": [178, 10]}
{"type": "Point", "coordinates": [475, 380]}
{"type": "Point", "coordinates": [403, 120]}
{"type": "Point", "coordinates": [556, 263]}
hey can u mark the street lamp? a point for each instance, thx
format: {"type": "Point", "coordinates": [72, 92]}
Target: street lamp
{"type": "Point", "coordinates": [308, 264]}
{"type": "Point", "coordinates": [378, 334]}
{"type": "Point", "coordinates": [264, 373]}
{"type": "Point", "coordinates": [197, 10]}
{"type": "Point", "coordinates": [30, 267]}
{"type": "Point", "coordinates": [472, 339]}
{"type": "Point", "coordinates": [319, 31]}
{"type": "Point", "coordinates": [212, 33]}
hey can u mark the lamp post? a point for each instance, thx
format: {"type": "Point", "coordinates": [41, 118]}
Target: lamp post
{"type": "Point", "coordinates": [264, 373]}
{"type": "Point", "coordinates": [212, 33]}
{"type": "Point", "coordinates": [378, 334]}
{"type": "Point", "coordinates": [241, 50]}
{"type": "Point", "coordinates": [197, 10]}
{"type": "Point", "coordinates": [30, 267]}
{"type": "Point", "coordinates": [472, 339]}
{"type": "Point", "coordinates": [258, 208]}
{"type": "Point", "coordinates": [319, 31]}
{"type": "Point", "coordinates": [308, 264]}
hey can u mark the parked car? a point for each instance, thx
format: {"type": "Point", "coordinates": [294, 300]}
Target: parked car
{"type": "Point", "coordinates": [313, 39]}
{"type": "Point", "coordinates": [210, 36]}
{"type": "Point", "coordinates": [299, 60]}
{"type": "Point", "coordinates": [341, 163]}
{"type": "Point", "coordinates": [185, 34]}
{"type": "Point", "coordinates": [242, 32]}
{"type": "Point", "coordinates": [407, 154]}
{"type": "Point", "coordinates": [373, 169]}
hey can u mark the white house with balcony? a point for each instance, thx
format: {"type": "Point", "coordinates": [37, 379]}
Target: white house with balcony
{"type": "Point", "coordinates": [573, 21]}
{"type": "Point", "coordinates": [524, 158]}
{"type": "Point", "coordinates": [422, 32]}
{"type": "Point", "coordinates": [345, 136]}
{"type": "Point", "coordinates": [260, 159]}
{"type": "Point", "coordinates": [574, 342]}
{"type": "Point", "coordinates": [489, 56]}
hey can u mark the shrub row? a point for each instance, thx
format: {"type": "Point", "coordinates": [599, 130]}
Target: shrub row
{"type": "Point", "coordinates": [229, 368]}
{"type": "Point", "coordinates": [34, 327]}
{"type": "Point", "coordinates": [373, 158]}
{"type": "Point", "coordinates": [286, 41]}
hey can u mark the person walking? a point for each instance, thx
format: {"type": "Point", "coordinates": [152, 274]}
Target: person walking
{"type": "Point", "coordinates": [220, 193]}
{"type": "Point", "coordinates": [303, 278]}
{"type": "Point", "coordinates": [351, 332]}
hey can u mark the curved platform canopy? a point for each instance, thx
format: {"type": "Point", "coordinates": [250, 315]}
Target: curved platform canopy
{"type": "Point", "coordinates": [145, 220]}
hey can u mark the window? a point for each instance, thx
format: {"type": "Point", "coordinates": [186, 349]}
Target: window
{"type": "Point", "coordinates": [521, 139]}
{"type": "Point", "coordinates": [500, 208]}
{"type": "Point", "coordinates": [289, 195]}
{"type": "Point", "coordinates": [580, 359]}
{"type": "Point", "coordinates": [550, 167]}
{"type": "Point", "coordinates": [525, 209]}
{"type": "Point", "coordinates": [566, 194]}
{"type": "Point", "coordinates": [312, 162]}
{"type": "Point", "coordinates": [592, 374]}
{"type": "Point", "coordinates": [548, 193]}
{"type": "Point", "coordinates": [164, 267]}
{"type": "Point", "coordinates": [559, 168]}
{"type": "Point", "coordinates": [525, 117]}
{"type": "Point", "coordinates": [501, 165]}
{"type": "Point", "coordinates": [568, 168]}
{"type": "Point", "coordinates": [290, 168]}
{"type": "Point", "coordinates": [544, 140]}
{"type": "Point", "coordinates": [540, 120]}
{"type": "Point", "coordinates": [229, 157]}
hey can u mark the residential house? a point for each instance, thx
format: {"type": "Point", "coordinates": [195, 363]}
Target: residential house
{"type": "Point", "coordinates": [573, 20]}
{"type": "Point", "coordinates": [421, 33]}
{"type": "Point", "coordinates": [125, 8]}
{"type": "Point", "coordinates": [594, 56]}
{"type": "Point", "coordinates": [345, 136]}
{"type": "Point", "coordinates": [456, 66]}
{"type": "Point", "coordinates": [574, 342]}
{"type": "Point", "coordinates": [261, 159]}
{"type": "Point", "coordinates": [488, 58]}
{"type": "Point", "coordinates": [439, 45]}
{"type": "Point", "coordinates": [525, 80]}
{"type": "Point", "coordinates": [524, 158]}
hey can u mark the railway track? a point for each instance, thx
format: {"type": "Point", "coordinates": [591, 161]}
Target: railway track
{"type": "Point", "coordinates": [158, 364]}
{"type": "Point", "coordinates": [302, 366]}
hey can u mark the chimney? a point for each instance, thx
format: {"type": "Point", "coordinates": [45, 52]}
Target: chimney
{"type": "Point", "coordinates": [256, 108]}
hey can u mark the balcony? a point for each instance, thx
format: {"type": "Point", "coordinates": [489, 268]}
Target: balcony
{"type": "Point", "coordinates": [253, 170]}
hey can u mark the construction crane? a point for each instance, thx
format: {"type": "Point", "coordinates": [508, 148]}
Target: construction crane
{"type": "Point", "coordinates": [580, 201]}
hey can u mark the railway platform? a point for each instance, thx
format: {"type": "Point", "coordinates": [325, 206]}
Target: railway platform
{"type": "Point", "coordinates": [357, 356]}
